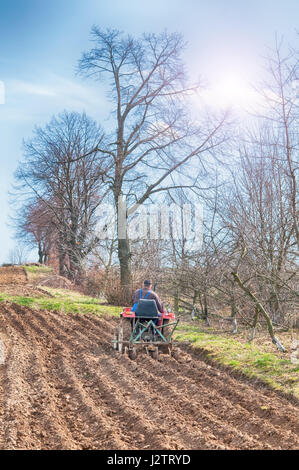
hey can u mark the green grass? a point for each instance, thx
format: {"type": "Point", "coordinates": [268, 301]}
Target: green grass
{"type": "Point", "coordinates": [38, 269]}
{"type": "Point", "coordinates": [248, 358]}
{"type": "Point", "coordinates": [37, 273]}
{"type": "Point", "coordinates": [64, 301]}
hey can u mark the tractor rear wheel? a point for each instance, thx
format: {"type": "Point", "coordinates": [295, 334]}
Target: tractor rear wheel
{"type": "Point", "coordinates": [127, 329]}
{"type": "Point", "coordinates": [166, 330]}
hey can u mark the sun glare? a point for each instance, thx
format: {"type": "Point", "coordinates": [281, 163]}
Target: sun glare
{"type": "Point", "coordinates": [229, 92]}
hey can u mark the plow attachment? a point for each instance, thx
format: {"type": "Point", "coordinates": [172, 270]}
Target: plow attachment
{"type": "Point", "coordinates": [134, 334]}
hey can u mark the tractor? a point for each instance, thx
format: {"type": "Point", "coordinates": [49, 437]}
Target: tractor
{"type": "Point", "coordinates": [145, 328]}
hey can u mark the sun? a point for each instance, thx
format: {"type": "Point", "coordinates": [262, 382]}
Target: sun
{"type": "Point", "coordinates": [230, 91]}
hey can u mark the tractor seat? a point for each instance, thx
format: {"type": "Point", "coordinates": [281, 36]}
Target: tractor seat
{"type": "Point", "coordinates": [146, 308]}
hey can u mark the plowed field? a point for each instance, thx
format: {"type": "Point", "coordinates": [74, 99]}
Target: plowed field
{"type": "Point", "coordinates": [62, 386]}
{"type": "Point", "coordinates": [12, 275]}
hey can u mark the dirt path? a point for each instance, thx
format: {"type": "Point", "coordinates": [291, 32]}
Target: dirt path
{"type": "Point", "coordinates": [62, 386]}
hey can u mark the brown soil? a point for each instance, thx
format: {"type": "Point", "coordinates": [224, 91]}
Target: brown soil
{"type": "Point", "coordinates": [14, 281]}
{"type": "Point", "coordinates": [24, 290]}
{"type": "Point", "coordinates": [12, 275]}
{"type": "Point", "coordinates": [56, 282]}
{"type": "Point", "coordinates": [62, 386]}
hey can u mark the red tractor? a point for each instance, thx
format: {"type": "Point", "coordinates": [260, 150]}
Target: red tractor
{"type": "Point", "coordinates": [145, 328]}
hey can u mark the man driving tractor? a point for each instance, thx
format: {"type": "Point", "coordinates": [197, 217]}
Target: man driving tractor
{"type": "Point", "coordinates": [146, 293]}
{"type": "Point", "coordinates": [145, 325]}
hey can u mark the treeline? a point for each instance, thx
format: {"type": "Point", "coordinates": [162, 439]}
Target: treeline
{"type": "Point", "coordinates": [156, 150]}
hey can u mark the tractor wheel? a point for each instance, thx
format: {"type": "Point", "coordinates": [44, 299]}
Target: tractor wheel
{"type": "Point", "coordinates": [166, 330]}
{"type": "Point", "coordinates": [127, 329]}
{"type": "Point", "coordinates": [132, 353]}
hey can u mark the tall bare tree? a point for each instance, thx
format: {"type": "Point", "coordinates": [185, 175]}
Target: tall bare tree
{"type": "Point", "coordinates": [152, 138]}
{"type": "Point", "coordinates": [62, 172]}
{"type": "Point", "coordinates": [281, 113]}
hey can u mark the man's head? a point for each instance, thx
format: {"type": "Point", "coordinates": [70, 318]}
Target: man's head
{"type": "Point", "coordinates": [147, 284]}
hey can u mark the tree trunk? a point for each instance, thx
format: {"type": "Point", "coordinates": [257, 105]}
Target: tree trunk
{"type": "Point", "coordinates": [61, 260]}
{"type": "Point", "coordinates": [234, 309]}
{"type": "Point", "coordinates": [123, 248]}
{"type": "Point", "coordinates": [262, 310]}
{"type": "Point", "coordinates": [206, 311]}
{"type": "Point", "coordinates": [40, 254]}
{"type": "Point", "coordinates": [255, 320]}
{"type": "Point", "coordinates": [75, 269]}
{"type": "Point", "coordinates": [176, 301]}
{"type": "Point", "coordinates": [124, 256]}
{"type": "Point", "coordinates": [274, 308]}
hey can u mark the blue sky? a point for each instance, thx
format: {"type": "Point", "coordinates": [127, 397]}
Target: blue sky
{"type": "Point", "coordinates": [42, 41]}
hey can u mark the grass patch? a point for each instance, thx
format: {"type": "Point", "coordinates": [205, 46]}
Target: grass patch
{"type": "Point", "coordinates": [252, 360]}
{"type": "Point", "coordinates": [38, 269]}
{"type": "Point", "coordinates": [64, 300]}
{"type": "Point", "coordinates": [37, 273]}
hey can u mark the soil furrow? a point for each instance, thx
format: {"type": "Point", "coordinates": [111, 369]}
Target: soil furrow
{"type": "Point", "coordinates": [230, 434]}
{"type": "Point", "coordinates": [130, 417]}
{"type": "Point", "coordinates": [239, 417]}
{"type": "Point", "coordinates": [89, 426]}
{"type": "Point", "coordinates": [262, 402]}
{"type": "Point", "coordinates": [63, 386]}
{"type": "Point", "coordinates": [52, 428]}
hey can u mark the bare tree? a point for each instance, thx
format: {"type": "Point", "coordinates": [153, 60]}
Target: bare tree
{"type": "Point", "coordinates": [36, 228]}
{"type": "Point", "coordinates": [17, 255]}
{"type": "Point", "coordinates": [281, 113]}
{"type": "Point", "coordinates": [152, 138]}
{"type": "Point", "coordinates": [62, 172]}
{"type": "Point", "coordinates": [257, 210]}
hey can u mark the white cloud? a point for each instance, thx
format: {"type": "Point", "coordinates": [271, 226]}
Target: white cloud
{"type": "Point", "coordinates": [42, 97]}
{"type": "Point", "coordinates": [79, 93]}
{"type": "Point", "coordinates": [22, 87]}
